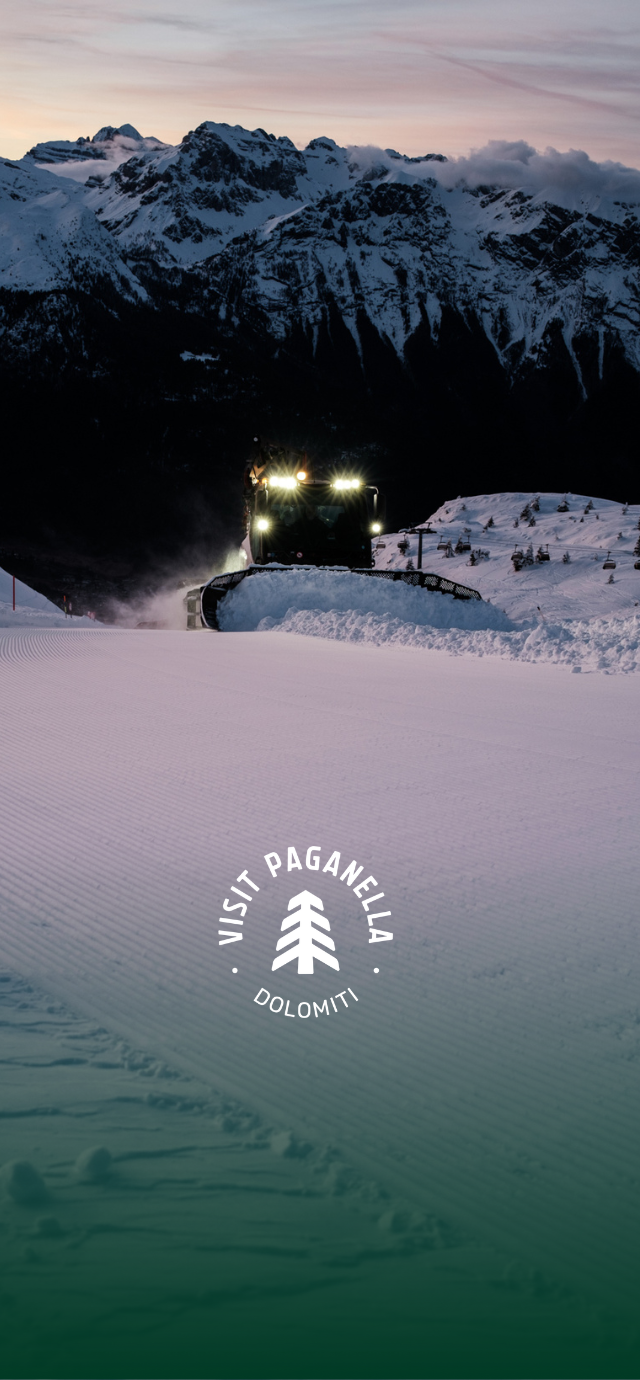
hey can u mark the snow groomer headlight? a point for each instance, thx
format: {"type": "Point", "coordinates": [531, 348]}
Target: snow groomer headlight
{"type": "Point", "coordinates": [283, 481]}
{"type": "Point", "coordinates": [346, 484]}
{"type": "Point", "coordinates": [262, 524]}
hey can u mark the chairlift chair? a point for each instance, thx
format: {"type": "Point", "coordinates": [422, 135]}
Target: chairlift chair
{"type": "Point", "coordinates": [609, 564]}
{"type": "Point", "coordinates": [542, 554]}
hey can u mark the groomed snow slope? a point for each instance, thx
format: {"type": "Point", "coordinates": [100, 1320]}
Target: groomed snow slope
{"type": "Point", "coordinates": [487, 1074]}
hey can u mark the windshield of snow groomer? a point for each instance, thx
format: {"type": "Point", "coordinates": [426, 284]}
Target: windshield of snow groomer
{"type": "Point", "coordinates": [323, 505]}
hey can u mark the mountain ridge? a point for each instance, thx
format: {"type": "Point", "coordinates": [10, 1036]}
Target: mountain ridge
{"type": "Point", "coordinates": [379, 230]}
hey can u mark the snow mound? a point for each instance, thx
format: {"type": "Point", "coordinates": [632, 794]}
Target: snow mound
{"type": "Point", "coordinates": [264, 601]}
{"type": "Point", "coordinates": [24, 617]}
{"type": "Point", "coordinates": [32, 610]}
{"type": "Point", "coordinates": [604, 644]}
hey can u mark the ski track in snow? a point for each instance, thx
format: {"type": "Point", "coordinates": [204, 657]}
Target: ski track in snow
{"type": "Point", "coordinates": [489, 1074]}
{"type": "Point", "coordinates": [201, 1205]}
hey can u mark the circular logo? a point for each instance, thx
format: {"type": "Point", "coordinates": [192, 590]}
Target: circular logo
{"type": "Point", "coordinates": [305, 927]}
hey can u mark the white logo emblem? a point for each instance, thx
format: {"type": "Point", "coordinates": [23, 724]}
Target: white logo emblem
{"type": "Point", "coordinates": [335, 933]}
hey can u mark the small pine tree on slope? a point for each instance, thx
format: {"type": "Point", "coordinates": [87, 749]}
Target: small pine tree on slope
{"type": "Point", "coordinates": [307, 935]}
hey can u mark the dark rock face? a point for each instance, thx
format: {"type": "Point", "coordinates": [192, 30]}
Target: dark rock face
{"type": "Point", "coordinates": [445, 341]}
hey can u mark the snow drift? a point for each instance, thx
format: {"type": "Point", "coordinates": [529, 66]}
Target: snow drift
{"type": "Point", "coordinates": [603, 644]}
{"type": "Point", "coordinates": [263, 601]}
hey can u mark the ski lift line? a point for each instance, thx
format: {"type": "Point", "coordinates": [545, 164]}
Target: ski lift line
{"type": "Point", "coordinates": [443, 545]}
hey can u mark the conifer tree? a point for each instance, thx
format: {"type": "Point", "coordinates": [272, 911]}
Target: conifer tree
{"type": "Point", "coordinates": [306, 936]}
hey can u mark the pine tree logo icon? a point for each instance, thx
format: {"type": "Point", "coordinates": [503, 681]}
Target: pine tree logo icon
{"type": "Point", "coordinates": [306, 936]}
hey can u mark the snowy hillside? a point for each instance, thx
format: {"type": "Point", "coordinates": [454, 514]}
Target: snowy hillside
{"type": "Point", "coordinates": [579, 587]}
{"type": "Point", "coordinates": [51, 240]}
{"type": "Point", "coordinates": [398, 249]}
{"type": "Point", "coordinates": [32, 610]}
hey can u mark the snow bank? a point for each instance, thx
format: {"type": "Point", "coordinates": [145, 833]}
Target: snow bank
{"type": "Point", "coordinates": [602, 644]}
{"type": "Point", "coordinates": [24, 617]}
{"type": "Point", "coordinates": [264, 601]}
{"type": "Point", "coordinates": [347, 607]}
{"type": "Point", "coordinates": [32, 610]}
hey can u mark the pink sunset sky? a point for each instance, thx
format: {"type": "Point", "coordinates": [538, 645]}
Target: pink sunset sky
{"type": "Point", "coordinates": [416, 75]}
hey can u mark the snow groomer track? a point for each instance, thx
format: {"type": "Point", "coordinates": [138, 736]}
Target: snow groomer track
{"type": "Point", "coordinates": [221, 585]}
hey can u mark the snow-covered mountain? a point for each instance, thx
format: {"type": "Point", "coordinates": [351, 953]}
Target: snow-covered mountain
{"type": "Point", "coordinates": [50, 239]}
{"type": "Point", "coordinates": [397, 240]}
{"type": "Point", "coordinates": [91, 159]}
{"type": "Point", "coordinates": [181, 205]}
{"type": "Point", "coordinates": [467, 324]}
{"type": "Point", "coordinates": [542, 259]}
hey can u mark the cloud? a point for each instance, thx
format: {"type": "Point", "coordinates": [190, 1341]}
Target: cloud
{"type": "Point", "coordinates": [515, 165]}
{"type": "Point", "coordinates": [431, 74]}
